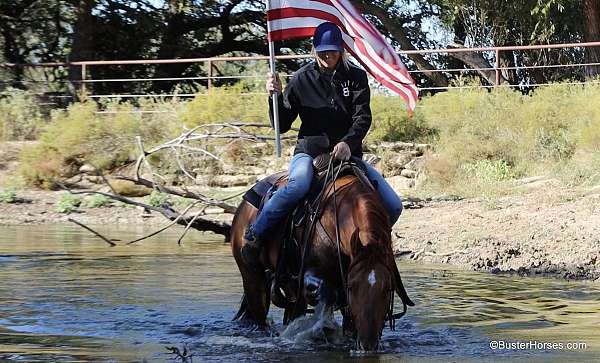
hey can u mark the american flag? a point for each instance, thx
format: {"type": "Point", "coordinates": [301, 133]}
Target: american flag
{"type": "Point", "coordinates": [299, 18]}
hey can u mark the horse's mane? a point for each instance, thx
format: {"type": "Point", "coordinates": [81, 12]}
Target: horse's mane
{"type": "Point", "coordinates": [370, 214]}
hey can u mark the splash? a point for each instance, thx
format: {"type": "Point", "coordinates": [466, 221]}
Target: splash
{"type": "Point", "coordinates": [316, 327]}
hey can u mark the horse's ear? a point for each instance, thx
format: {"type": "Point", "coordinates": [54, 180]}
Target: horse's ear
{"type": "Point", "coordinates": [355, 242]}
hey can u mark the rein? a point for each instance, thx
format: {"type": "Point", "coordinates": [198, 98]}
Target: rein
{"type": "Point", "coordinates": [331, 176]}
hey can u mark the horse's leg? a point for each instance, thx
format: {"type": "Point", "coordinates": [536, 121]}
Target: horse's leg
{"type": "Point", "coordinates": [257, 296]}
{"type": "Point", "coordinates": [347, 323]}
{"type": "Point", "coordinates": [256, 299]}
{"type": "Point", "coordinates": [296, 311]}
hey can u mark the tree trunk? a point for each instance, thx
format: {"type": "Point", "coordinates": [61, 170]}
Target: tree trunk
{"type": "Point", "coordinates": [12, 54]}
{"type": "Point", "coordinates": [83, 41]}
{"type": "Point", "coordinates": [438, 79]}
{"type": "Point", "coordinates": [476, 61]}
{"type": "Point", "coordinates": [172, 45]}
{"type": "Point", "coordinates": [591, 20]}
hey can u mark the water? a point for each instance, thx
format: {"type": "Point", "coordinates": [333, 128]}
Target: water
{"type": "Point", "coordinates": [66, 296]}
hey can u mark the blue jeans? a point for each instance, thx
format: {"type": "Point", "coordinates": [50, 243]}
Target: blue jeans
{"type": "Point", "coordinates": [390, 199]}
{"type": "Point", "coordinates": [299, 180]}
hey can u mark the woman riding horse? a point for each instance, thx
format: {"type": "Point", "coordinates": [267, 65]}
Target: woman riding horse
{"type": "Point", "coordinates": [332, 98]}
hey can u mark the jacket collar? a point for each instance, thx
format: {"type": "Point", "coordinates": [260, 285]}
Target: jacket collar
{"type": "Point", "coordinates": [339, 73]}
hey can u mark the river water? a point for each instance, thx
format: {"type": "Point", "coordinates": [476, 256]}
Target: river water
{"type": "Point", "coordinates": [65, 296]}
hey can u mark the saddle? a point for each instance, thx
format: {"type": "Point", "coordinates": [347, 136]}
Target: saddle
{"type": "Point", "coordinates": [264, 188]}
{"type": "Point", "coordinates": [285, 274]}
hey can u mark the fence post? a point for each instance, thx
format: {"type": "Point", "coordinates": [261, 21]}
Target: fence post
{"type": "Point", "coordinates": [82, 86]}
{"type": "Point", "coordinates": [497, 67]}
{"type": "Point", "coordinates": [210, 73]}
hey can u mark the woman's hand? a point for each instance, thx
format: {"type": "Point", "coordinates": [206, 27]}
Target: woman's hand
{"type": "Point", "coordinates": [341, 151]}
{"type": "Point", "coordinates": [273, 83]}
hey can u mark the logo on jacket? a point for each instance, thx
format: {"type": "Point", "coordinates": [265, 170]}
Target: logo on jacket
{"type": "Point", "coordinates": [346, 88]}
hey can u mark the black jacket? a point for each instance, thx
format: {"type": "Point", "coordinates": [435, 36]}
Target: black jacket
{"type": "Point", "coordinates": [336, 106]}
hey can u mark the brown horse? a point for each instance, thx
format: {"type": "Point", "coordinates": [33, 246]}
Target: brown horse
{"type": "Point", "coordinates": [360, 270]}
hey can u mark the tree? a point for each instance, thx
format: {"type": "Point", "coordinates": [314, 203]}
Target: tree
{"type": "Point", "coordinates": [591, 17]}
{"type": "Point", "coordinates": [71, 30]}
{"type": "Point", "coordinates": [31, 31]}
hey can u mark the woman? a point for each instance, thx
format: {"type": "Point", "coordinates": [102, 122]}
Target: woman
{"type": "Point", "coordinates": [332, 98]}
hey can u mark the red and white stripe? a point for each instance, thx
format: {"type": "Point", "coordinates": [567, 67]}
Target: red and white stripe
{"type": "Point", "coordinates": [299, 18]}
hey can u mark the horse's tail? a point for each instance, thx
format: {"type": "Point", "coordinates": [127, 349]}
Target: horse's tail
{"type": "Point", "coordinates": [242, 313]}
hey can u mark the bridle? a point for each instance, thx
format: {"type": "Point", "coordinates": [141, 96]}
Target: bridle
{"type": "Point", "coordinates": [391, 317]}
{"type": "Point", "coordinates": [330, 177]}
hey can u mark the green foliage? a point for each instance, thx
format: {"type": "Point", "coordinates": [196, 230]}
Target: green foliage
{"type": "Point", "coordinates": [391, 122]}
{"type": "Point", "coordinates": [97, 201]}
{"type": "Point", "coordinates": [499, 135]}
{"type": "Point", "coordinates": [486, 170]}
{"type": "Point", "coordinates": [491, 137]}
{"type": "Point", "coordinates": [8, 195]}
{"type": "Point", "coordinates": [20, 116]}
{"type": "Point", "coordinates": [156, 198]}
{"type": "Point", "coordinates": [68, 203]}
{"type": "Point", "coordinates": [237, 103]}
{"type": "Point", "coordinates": [107, 140]}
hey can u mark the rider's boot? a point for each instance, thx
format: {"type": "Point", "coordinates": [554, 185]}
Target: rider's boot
{"type": "Point", "coordinates": [251, 250]}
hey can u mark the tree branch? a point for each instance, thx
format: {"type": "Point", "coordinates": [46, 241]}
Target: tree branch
{"type": "Point", "coordinates": [399, 35]}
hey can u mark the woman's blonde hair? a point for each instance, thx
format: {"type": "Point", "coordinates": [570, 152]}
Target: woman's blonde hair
{"type": "Point", "coordinates": [344, 58]}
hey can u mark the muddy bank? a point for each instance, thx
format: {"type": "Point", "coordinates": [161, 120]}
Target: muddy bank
{"type": "Point", "coordinates": [543, 228]}
{"type": "Point", "coordinates": [550, 231]}
{"type": "Point", "coordinates": [542, 231]}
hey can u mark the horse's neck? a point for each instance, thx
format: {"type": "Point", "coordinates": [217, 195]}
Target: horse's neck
{"type": "Point", "coordinates": [369, 219]}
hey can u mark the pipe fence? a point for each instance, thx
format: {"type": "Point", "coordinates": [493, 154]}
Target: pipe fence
{"type": "Point", "coordinates": [86, 77]}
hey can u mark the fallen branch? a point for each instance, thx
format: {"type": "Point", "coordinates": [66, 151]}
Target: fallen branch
{"type": "Point", "coordinates": [422, 251]}
{"type": "Point", "coordinates": [111, 243]}
{"type": "Point", "coordinates": [165, 227]}
{"type": "Point", "coordinates": [444, 254]}
{"type": "Point", "coordinates": [200, 224]}
{"type": "Point", "coordinates": [187, 228]}
{"type": "Point", "coordinates": [228, 208]}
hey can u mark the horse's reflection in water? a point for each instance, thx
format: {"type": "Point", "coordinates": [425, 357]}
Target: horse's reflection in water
{"type": "Point", "coordinates": [360, 272]}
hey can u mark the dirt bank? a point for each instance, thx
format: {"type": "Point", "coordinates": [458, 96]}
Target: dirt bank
{"type": "Point", "coordinates": [548, 231]}
{"type": "Point", "coordinates": [543, 230]}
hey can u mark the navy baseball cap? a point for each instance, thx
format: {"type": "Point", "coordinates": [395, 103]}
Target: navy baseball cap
{"type": "Point", "coordinates": [328, 36]}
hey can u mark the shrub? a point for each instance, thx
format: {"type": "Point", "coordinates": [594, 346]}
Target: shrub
{"type": "Point", "coordinates": [237, 103]}
{"type": "Point", "coordinates": [68, 203]}
{"type": "Point", "coordinates": [80, 134]}
{"type": "Point", "coordinates": [391, 122]}
{"type": "Point", "coordinates": [487, 170]}
{"type": "Point", "coordinates": [157, 199]}
{"type": "Point", "coordinates": [503, 134]}
{"type": "Point", "coordinates": [477, 134]}
{"type": "Point", "coordinates": [8, 195]}
{"type": "Point", "coordinates": [97, 201]}
{"type": "Point", "coordinates": [20, 116]}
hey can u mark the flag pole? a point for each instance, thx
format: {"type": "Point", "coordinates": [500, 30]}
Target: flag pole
{"type": "Point", "coordinates": [275, 96]}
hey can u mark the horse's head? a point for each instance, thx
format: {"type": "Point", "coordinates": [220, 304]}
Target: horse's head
{"type": "Point", "coordinates": [370, 285]}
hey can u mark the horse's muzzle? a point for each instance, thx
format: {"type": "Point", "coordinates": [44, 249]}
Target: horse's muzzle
{"type": "Point", "coordinates": [365, 349]}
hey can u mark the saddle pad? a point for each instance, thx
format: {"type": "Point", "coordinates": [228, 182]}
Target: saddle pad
{"type": "Point", "coordinates": [255, 194]}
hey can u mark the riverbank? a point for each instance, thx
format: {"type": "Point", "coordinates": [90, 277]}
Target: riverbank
{"type": "Point", "coordinates": [541, 227]}
{"type": "Point", "coordinates": [545, 229]}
